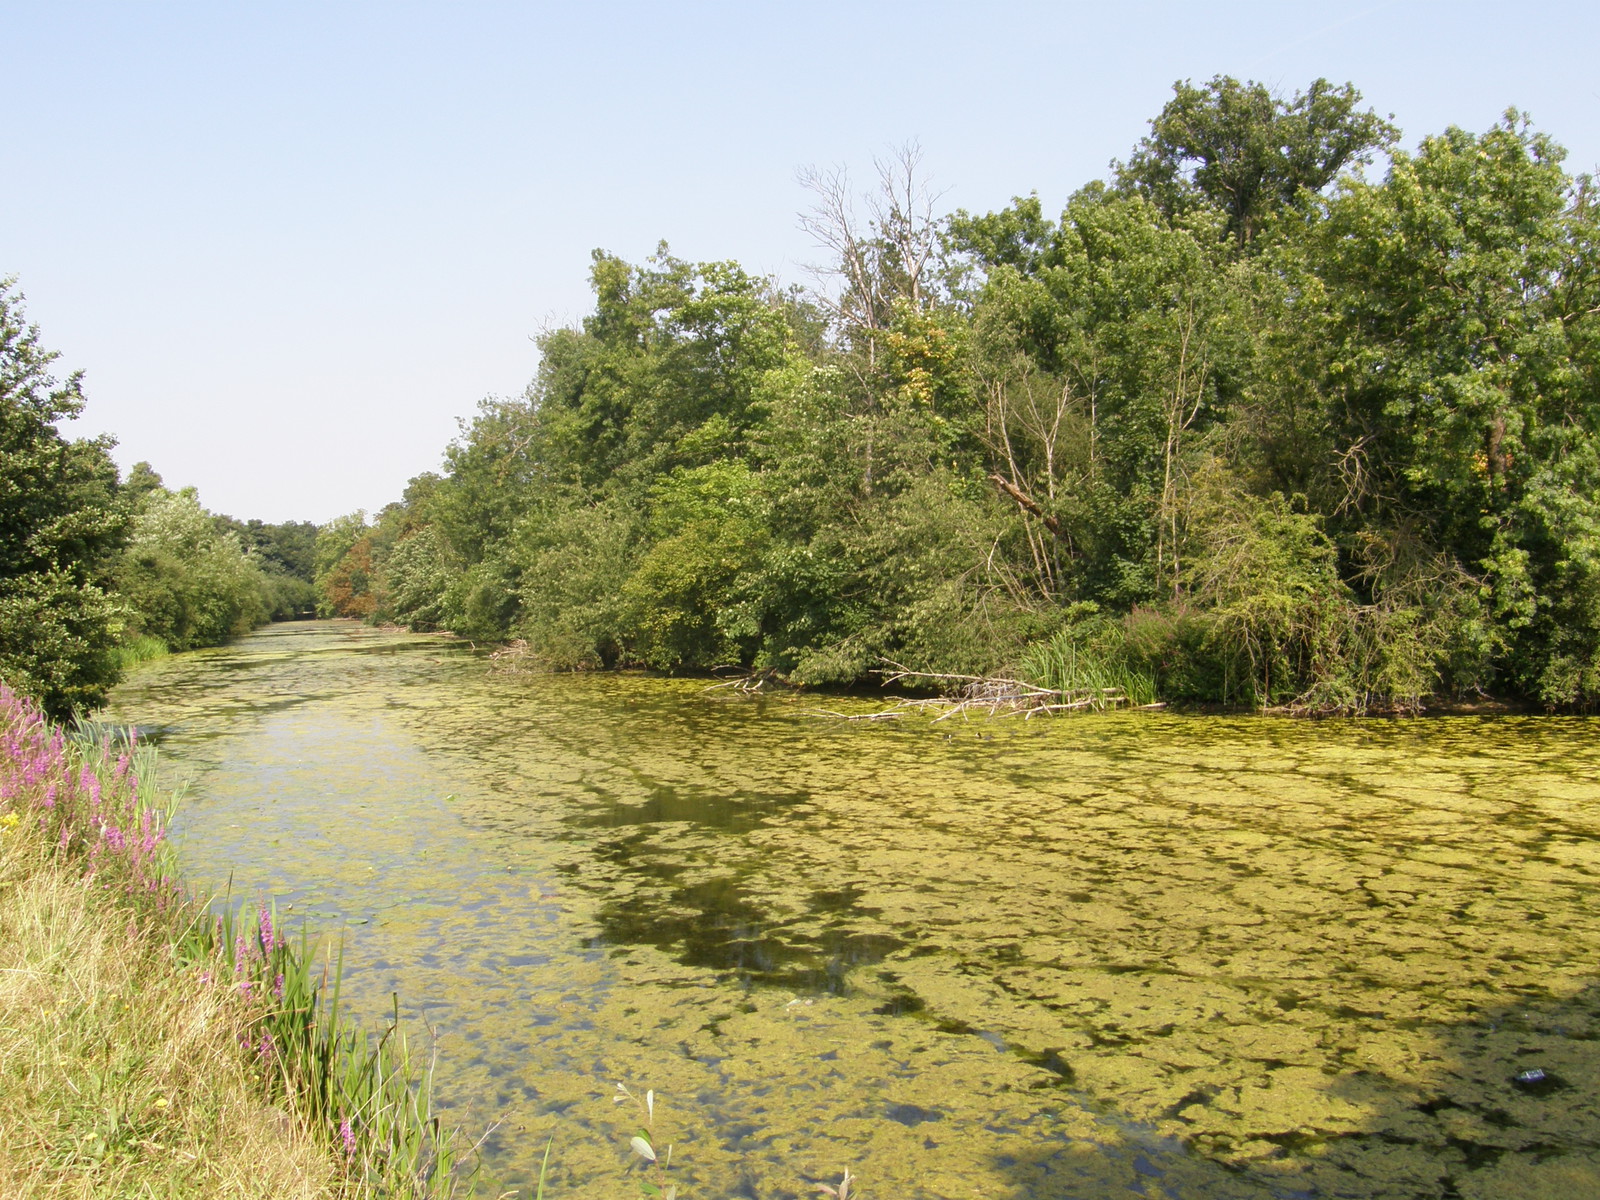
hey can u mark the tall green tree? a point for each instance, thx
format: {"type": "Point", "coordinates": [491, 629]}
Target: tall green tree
{"type": "Point", "coordinates": [61, 524]}
{"type": "Point", "coordinates": [186, 580]}
{"type": "Point", "coordinates": [1248, 152]}
{"type": "Point", "coordinates": [1462, 381]}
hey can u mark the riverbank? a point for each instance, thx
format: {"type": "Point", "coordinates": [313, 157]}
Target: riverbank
{"type": "Point", "coordinates": [150, 1048]}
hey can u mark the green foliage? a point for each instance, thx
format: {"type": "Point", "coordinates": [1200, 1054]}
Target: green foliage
{"type": "Point", "coordinates": [685, 603]}
{"type": "Point", "coordinates": [574, 559]}
{"type": "Point", "coordinates": [188, 583]}
{"type": "Point", "coordinates": [61, 523]}
{"type": "Point", "coordinates": [417, 578]}
{"type": "Point", "coordinates": [1243, 427]}
{"type": "Point", "coordinates": [1241, 149]}
{"type": "Point", "coordinates": [285, 554]}
{"type": "Point", "coordinates": [1462, 380]}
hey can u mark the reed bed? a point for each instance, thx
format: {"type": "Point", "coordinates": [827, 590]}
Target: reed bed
{"type": "Point", "coordinates": [140, 649]}
{"type": "Point", "coordinates": [1064, 666]}
{"type": "Point", "coordinates": [150, 1047]}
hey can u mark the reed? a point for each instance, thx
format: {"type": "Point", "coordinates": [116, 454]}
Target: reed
{"type": "Point", "coordinates": [369, 1096]}
{"type": "Point", "coordinates": [149, 1046]}
{"type": "Point", "coordinates": [141, 649]}
{"type": "Point", "coordinates": [1067, 665]}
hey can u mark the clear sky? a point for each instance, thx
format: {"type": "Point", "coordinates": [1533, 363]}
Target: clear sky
{"type": "Point", "coordinates": [291, 244]}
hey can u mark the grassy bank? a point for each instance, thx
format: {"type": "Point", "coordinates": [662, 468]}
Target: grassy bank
{"type": "Point", "coordinates": [150, 1048]}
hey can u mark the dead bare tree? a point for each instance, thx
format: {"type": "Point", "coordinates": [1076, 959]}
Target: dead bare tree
{"type": "Point", "coordinates": [880, 256]}
{"type": "Point", "coordinates": [882, 246]}
{"type": "Point", "coordinates": [1181, 405]}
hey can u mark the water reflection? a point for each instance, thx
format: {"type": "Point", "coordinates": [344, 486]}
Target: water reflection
{"type": "Point", "coordinates": [1085, 958]}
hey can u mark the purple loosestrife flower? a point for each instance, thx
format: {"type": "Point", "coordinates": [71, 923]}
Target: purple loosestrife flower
{"type": "Point", "coordinates": [349, 1136]}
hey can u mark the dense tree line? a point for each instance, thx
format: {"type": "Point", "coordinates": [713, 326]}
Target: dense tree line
{"type": "Point", "coordinates": [96, 571]}
{"type": "Point", "coordinates": [1278, 413]}
{"type": "Point", "coordinates": [1241, 419]}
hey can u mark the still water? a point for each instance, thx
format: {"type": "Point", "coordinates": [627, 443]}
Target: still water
{"type": "Point", "coordinates": [1089, 957]}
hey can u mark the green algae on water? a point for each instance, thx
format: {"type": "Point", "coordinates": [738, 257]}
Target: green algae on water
{"type": "Point", "coordinates": [1131, 954]}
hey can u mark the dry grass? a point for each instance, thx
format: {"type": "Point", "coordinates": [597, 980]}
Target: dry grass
{"type": "Point", "coordinates": [120, 1075]}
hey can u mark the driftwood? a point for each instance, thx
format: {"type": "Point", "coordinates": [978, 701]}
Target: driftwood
{"type": "Point", "coordinates": [746, 683]}
{"type": "Point", "coordinates": [516, 657]}
{"type": "Point", "coordinates": [892, 714]}
{"type": "Point", "coordinates": [985, 695]}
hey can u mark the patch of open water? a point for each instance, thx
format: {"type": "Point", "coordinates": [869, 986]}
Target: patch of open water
{"type": "Point", "coordinates": [1133, 955]}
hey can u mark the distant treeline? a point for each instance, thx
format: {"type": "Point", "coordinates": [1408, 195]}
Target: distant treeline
{"type": "Point", "coordinates": [1240, 420]}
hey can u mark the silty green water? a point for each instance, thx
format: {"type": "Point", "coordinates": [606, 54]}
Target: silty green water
{"type": "Point", "coordinates": [1135, 955]}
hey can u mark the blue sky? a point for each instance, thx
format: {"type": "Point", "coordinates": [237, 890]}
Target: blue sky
{"type": "Point", "coordinates": [291, 244]}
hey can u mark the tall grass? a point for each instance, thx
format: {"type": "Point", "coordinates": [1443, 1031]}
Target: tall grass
{"type": "Point", "coordinates": [150, 1047]}
{"type": "Point", "coordinates": [370, 1096]}
{"type": "Point", "coordinates": [1068, 665]}
{"type": "Point", "coordinates": [141, 649]}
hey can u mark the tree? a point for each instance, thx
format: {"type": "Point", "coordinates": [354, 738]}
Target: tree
{"type": "Point", "coordinates": [1462, 381]}
{"type": "Point", "coordinates": [188, 582]}
{"type": "Point", "coordinates": [1243, 149]}
{"type": "Point", "coordinates": [61, 524]}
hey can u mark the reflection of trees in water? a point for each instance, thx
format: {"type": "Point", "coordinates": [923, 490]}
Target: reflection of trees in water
{"type": "Point", "coordinates": [1472, 1131]}
{"type": "Point", "coordinates": [1382, 1104]}
{"type": "Point", "coordinates": [712, 924]}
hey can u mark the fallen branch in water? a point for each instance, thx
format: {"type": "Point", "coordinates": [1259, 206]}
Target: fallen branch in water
{"type": "Point", "coordinates": [516, 657]}
{"type": "Point", "coordinates": [748, 683]}
{"type": "Point", "coordinates": [997, 696]}
{"type": "Point", "coordinates": [887, 715]}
